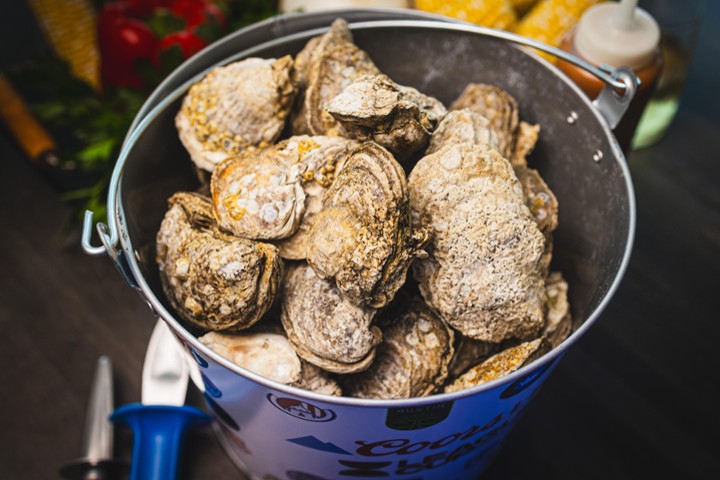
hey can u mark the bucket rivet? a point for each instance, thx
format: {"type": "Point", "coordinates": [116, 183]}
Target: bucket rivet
{"type": "Point", "coordinates": [572, 118]}
{"type": "Point", "coordinates": [598, 156]}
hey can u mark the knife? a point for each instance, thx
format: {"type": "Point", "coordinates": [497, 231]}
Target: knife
{"type": "Point", "coordinates": [97, 462]}
{"type": "Point", "coordinates": [160, 421]}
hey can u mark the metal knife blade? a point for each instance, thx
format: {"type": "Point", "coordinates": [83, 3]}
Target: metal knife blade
{"type": "Point", "coordinates": [97, 449]}
{"type": "Point", "coordinates": [165, 372]}
{"type": "Point", "coordinates": [160, 421]}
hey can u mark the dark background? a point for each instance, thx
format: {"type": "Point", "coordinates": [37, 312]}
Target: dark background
{"type": "Point", "coordinates": [635, 398]}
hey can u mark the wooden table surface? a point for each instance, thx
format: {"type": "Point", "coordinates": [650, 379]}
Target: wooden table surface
{"type": "Point", "coordinates": [636, 397]}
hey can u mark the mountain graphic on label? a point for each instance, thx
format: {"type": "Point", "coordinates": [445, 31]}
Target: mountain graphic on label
{"type": "Point", "coordinates": [317, 444]}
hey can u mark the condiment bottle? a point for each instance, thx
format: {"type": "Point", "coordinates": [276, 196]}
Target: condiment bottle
{"type": "Point", "coordinates": [616, 34]}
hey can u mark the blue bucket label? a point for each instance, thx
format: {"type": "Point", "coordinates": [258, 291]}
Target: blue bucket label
{"type": "Point", "coordinates": [279, 435]}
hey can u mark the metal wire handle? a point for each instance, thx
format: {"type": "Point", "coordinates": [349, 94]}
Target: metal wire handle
{"type": "Point", "coordinates": [620, 87]}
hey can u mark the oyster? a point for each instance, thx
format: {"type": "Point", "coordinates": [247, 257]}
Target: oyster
{"type": "Point", "coordinates": [500, 364]}
{"type": "Point", "coordinates": [484, 273]}
{"type": "Point", "coordinates": [411, 361]}
{"type": "Point", "coordinates": [272, 356]}
{"type": "Point", "coordinates": [499, 107]}
{"type": "Point", "coordinates": [527, 137]}
{"type": "Point", "coordinates": [274, 193]}
{"type": "Point", "coordinates": [539, 199]}
{"type": "Point", "coordinates": [324, 328]}
{"type": "Point", "coordinates": [320, 159]}
{"type": "Point", "coordinates": [558, 323]}
{"type": "Point", "coordinates": [235, 107]}
{"type": "Point", "coordinates": [325, 67]}
{"type": "Point", "coordinates": [469, 352]}
{"type": "Point", "coordinates": [362, 238]}
{"type": "Point", "coordinates": [213, 280]}
{"type": "Point", "coordinates": [258, 195]}
{"type": "Point", "coordinates": [516, 140]}
{"type": "Point", "coordinates": [463, 126]}
{"type": "Point", "coordinates": [398, 118]}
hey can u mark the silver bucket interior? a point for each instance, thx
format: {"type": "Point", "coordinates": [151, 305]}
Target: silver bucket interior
{"type": "Point", "coordinates": [576, 153]}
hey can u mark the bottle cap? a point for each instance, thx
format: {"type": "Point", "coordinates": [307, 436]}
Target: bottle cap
{"type": "Point", "coordinates": [617, 34]}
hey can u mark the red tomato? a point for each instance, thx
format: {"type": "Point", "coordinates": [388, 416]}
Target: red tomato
{"type": "Point", "coordinates": [123, 41]}
{"type": "Point", "coordinates": [188, 42]}
{"type": "Point", "coordinates": [139, 8]}
{"type": "Point", "coordinates": [197, 12]}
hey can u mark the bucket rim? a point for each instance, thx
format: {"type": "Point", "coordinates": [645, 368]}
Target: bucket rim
{"type": "Point", "coordinates": [118, 216]}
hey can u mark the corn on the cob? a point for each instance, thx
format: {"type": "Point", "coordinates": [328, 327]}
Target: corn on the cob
{"type": "Point", "coordinates": [488, 13]}
{"type": "Point", "coordinates": [549, 20]}
{"type": "Point", "coordinates": [522, 6]}
{"type": "Point", "coordinates": [69, 25]}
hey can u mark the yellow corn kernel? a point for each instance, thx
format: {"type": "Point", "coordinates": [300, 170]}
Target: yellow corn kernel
{"type": "Point", "coordinates": [488, 13]}
{"type": "Point", "coordinates": [522, 6]}
{"type": "Point", "coordinates": [69, 26]}
{"type": "Point", "coordinates": [550, 20]}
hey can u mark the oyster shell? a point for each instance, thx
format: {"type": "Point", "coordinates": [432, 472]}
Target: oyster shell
{"type": "Point", "coordinates": [317, 380]}
{"type": "Point", "coordinates": [539, 199]}
{"type": "Point", "coordinates": [499, 107]}
{"type": "Point", "coordinates": [326, 329]}
{"type": "Point", "coordinates": [558, 323]}
{"type": "Point", "coordinates": [326, 66]}
{"type": "Point", "coordinates": [469, 352]}
{"type": "Point", "coordinates": [463, 126]}
{"type": "Point", "coordinates": [362, 238]}
{"type": "Point", "coordinates": [398, 118]}
{"type": "Point", "coordinates": [272, 356]}
{"type": "Point", "coordinates": [527, 137]}
{"type": "Point", "coordinates": [267, 354]}
{"type": "Point", "coordinates": [500, 364]}
{"type": "Point", "coordinates": [516, 140]}
{"type": "Point", "coordinates": [320, 159]}
{"type": "Point", "coordinates": [275, 193]}
{"type": "Point", "coordinates": [235, 107]}
{"type": "Point", "coordinates": [213, 280]}
{"type": "Point", "coordinates": [258, 195]}
{"type": "Point", "coordinates": [411, 361]}
{"type": "Point", "coordinates": [484, 273]}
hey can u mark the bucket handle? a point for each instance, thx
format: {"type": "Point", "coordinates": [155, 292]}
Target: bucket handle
{"type": "Point", "coordinates": [621, 84]}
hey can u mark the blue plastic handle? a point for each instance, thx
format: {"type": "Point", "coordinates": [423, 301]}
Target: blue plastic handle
{"type": "Point", "coordinates": [157, 437]}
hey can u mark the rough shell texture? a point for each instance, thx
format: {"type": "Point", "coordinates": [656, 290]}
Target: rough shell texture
{"type": "Point", "coordinates": [325, 67]}
{"type": "Point", "coordinates": [483, 273]}
{"type": "Point", "coordinates": [468, 353]}
{"type": "Point", "coordinates": [258, 195]}
{"type": "Point", "coordinates": [499, 107]}
{"type": "Point", "coordinates": [500, 364]}
{"type": "Point", "coordinates": [213, 280]}
{"type": "Point", "coordinates": [411, 361]}
{"type": "Point", "coordinates": [272, 356]}
{"type": "Point", "coordinates": [320, 159]}
{"type": "Point", "coordinates": [275, 193]}
{"type": "Point", "coordinates": [527, 137]}
{"type": "Point", "coordinates": [399, 118]}
{"type": "Point", "coordinates": [463, 126]}
{"type": "Point", "coordinates": [558, 324]}
{"type": "Point", "coordinates": [539, 199]}
{"type": "Point", "coordinates": [239, 106]}
{"type": "Point", "coordinates": [317, 380]}
{"type": "Point", "coordinates": [266, 354]}
{"type": "Point", "coordinates": [362, 238]}
{"type": "Point", "coordinates": [324, 328]}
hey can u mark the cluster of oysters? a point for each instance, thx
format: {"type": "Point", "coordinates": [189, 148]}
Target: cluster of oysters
{"type": "Point", "coordinates": [297, 262]}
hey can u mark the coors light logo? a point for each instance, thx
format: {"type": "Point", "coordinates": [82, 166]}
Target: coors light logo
{"type": "Point", "coordinates": [302, 410]}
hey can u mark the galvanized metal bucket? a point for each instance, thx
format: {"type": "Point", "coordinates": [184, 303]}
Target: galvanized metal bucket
{"type": "Point", "coordinates": [276, 431]}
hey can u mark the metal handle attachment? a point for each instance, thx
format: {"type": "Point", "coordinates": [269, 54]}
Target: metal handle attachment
{"type": "Point", "coordinates": [621, 83]}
